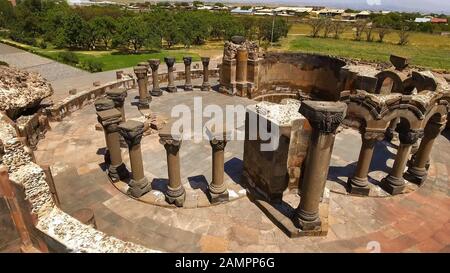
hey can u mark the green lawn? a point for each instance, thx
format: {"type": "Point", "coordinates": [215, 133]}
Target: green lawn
{"type": "Point", "coordinates": [425, 50]}
{"type": "Point", "coordinates": [111, 59]}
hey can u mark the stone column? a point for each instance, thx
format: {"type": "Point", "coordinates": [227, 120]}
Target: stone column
{"type": "Point", "coordinates": [132, 132]}
{"type": "Point", "coordinates": [391, 129]}
{"type": "Point", "coordinates": [394, 183]}
{"type": "Point", "coordinates": [187, 71]}
{"type": "Point", "coordinates": [170, 61]}
{"type": "Point", "coordinates": [324, 118]}
{"type": "Point", "coordinates": [141, 74]}
{"type": "Point", "coordinates": [241, 65]}
{"type": "Point", "coordinates": [118, 95]}
{"type": "Point", "coordinates": [110, 120]}
{"type": "Point", "coordinates": [176, 193]}
{"type": "Point", "coordinates": [218, 139]}
{"type": "Point", "coordinates": [205, 85]}
{"type": "Point", "coordinates": [154, 65]}
{"type": "Point", "coordinates": [51, 184]}
{"type": "Point", "coordinates": [359, 184]}
{"type": "Point", "coordinates": [417, 172]}
{"type": "Point", "coordinates": [102, 105]}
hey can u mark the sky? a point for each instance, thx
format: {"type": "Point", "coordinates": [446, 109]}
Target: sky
{"type": "Point", "coordinates": [437, 6]}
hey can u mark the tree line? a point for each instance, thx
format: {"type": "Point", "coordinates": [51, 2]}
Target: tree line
{"type": "Point", "coordinates": [374, 28]}
{"type": "Point", "coordinates": [44, 22]}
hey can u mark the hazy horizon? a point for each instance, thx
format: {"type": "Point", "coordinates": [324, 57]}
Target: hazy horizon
{"type": "Point", "coordinates": [435, 6]}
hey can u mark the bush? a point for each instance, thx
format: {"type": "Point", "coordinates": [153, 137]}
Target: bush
{"type": "Point", "coordinates": [68, 57]}
{"type": "Point", "coordinates": [20, 38]}
{"type": "Point", "coordinates": [92, 66]}
{"type": "Point", "coordinates": [4, 63]}
{"type": "Point", "coordinates": [42, 45]}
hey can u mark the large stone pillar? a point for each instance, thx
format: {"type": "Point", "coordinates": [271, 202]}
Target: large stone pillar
{"type": "Point", "coordinates": [205, 85]}
{"type": "Point", "coordinates": [241, 65]}
{"type": "Point", "coordinates": [218, 139]}
{"type": "Point", "coordinates": [132, 132]}
{"type": "Point", "coordinates": [394, 183]}
{"type": "Point", "coordinates": [141, 74]}
{"type": "Point", "coordinates": [187, 71]}
{"type": "Point", "coordinates": [110, 119]}
{"type": "Point", "coordinates": [418, 171]}
{"type": "Point", "coordinates": [359, 184]}
{"type": "Point", "coordinates": [118, 95]}
{"type": "Point", "coordinates": [324, 118]}
{"type": "Point", "coordinates": [176, 193]}
{"type": "Point", "coordinates": [170, 61]}
{"type": "Point", "coordinates": [154, 65]}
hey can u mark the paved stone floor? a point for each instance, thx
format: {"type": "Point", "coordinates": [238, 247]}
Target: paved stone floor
{"type": "Point", "coordinates": [415, 222]}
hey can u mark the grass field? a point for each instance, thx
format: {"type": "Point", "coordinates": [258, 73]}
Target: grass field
{"type": "Point", "coordinates": [112, 59]}
{"type": "Point", "coordinates": [425, 50]}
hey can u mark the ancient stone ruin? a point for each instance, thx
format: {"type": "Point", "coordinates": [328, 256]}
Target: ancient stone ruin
{"type": "Point", "coordinates": [308, 99]}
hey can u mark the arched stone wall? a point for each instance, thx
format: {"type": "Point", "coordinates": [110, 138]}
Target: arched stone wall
{"type": "Point", "coordinates": [316, 75]}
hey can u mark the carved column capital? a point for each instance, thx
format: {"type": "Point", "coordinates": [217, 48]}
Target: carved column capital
{"type": "Point", "coordinates": [205, 61]}
{"type": "Point", "coordinates": [140, 71]}
{"type": "Point", "coordinates": [154, 64]}
{"type": "Point", "coordinates": [218, 145]}
{"type": "Point", "coordinates": [117, 95]}
{"type": "Point", "coordinates": [170, 61]}
{"type": "Point", "coordinates": [109, 119]}
{"type": "Point", "coordinates": [324, 116]}
{"type": "Point", "coordinates": [103, 104]}
{"type": "Point", "coordinates": [410, 136]}
{"type": "Point", "coordinates": [187, 60]}
{"type": "Point", "coordinates": [171, 144]}
{"type": "Point", "coordinates": [132, 132]}
{"type": "Point", "coordinates": [373, 135]}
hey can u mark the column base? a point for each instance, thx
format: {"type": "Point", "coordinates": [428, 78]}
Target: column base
{"type": "Point", "coordinates": [176, 196]}
{"type": "Point", "coordinates": [139, 187]}
{"type": "Point", "coordinates": [358, 186]}
{"type": "Point", "coordinates": [393, 185]}
{"type": "Point", "coordinates": [216, 198]}
{"type": "Point", "coordinates": [143, 104]}
{"type": "Point", "coordinates": [307, 222]}
{"type": "Point", "coordinates": [188, 87]}
{"type": "Point", "coordinates": [171, 89]}
{"type": "Point", "coordinates": [118, 172]}
{"type": "Point", "coordinates": [156, 93]}
{"type": "Point", "coordinates": [416, 175]}
{"type": "Point", "coordinates": [205, 86]}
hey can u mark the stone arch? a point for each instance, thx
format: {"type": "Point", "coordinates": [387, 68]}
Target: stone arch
{"type": "Point", "coordinates": [396, 82]}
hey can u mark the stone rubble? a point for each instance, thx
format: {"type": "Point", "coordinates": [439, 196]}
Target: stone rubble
{"type": "Point", "coordinates": [282, 114]}
{"type": "Point", "coordinates": [21, 89]}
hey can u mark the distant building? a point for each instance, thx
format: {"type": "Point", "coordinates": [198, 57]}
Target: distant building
{"type": "Point", "coordinates": [365, 14]}
{"type": "Point", "coordinates": [349, 16]}
{"type": "Point", "coordinates": [329, 12]}
{"type": "Point", "coordinates": [422, 20]}
{"type": "Point", "coordinates": [242, 11]}
{"type": "Point", "coordinates": [439, 21]}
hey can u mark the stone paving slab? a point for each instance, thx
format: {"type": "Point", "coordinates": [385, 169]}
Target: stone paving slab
{"type": "Point", "coordinates": [415, 222]}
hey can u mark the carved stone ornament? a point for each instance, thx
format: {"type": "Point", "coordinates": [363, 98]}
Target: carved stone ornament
{"type": "Point", "coordinates": [103, 104]}
{"type": "Point", "coordinates": [117, 95]}
{"type": "Point", "coordinates": [170, 61]}
{"type": "Point", "coordinates": [132, 132]}
{"type": "Point", "coordinates": [324, 116]}
{"type": "Point", "coordinates": [109, 119]}
{"type": "Point", "coordinates": [187, 60]}
{"type": "Point", "coordinates": [410, 136]}
{"type": "Point", "coordinates": [154, 64]}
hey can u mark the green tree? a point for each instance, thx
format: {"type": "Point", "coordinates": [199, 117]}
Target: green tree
{"type": "Point", "coordinates": [7, 16]}
{"type": "Point", "coordinates": [131, 33]}
{"type": "Point", "coordinates": [104, 28]}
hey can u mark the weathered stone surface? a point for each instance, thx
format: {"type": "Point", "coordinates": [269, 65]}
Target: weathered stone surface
{"type": "Point", "coordinates": [20, 90]}
{"type": "Point", "coordinates": [400, 63]}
